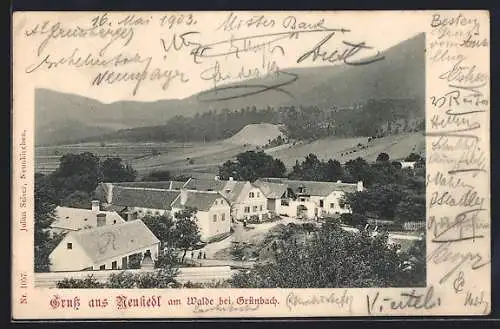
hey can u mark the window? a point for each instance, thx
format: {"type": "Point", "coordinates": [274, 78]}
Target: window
{"type": "Point", "coordinates": [223, 217]}
{"type": "Point", "coordinates": [321, 203]}
{"type": "Point", "coordinates": [102, 267]}
{"type": "Point", "coordinates": [215, 218]}
{"type": "Point", "coordinates": [114, 266]}
{"type": "Point", "coordinates": [247, 209]}
{"type": "Point", "coordinates": [251, 195]}
{"type": "Point", "coordinates": [258, 194]}
{"type": "Point", "coordinates": [332, 205]}
{"type": "Point", "coordinates": [302, 199]}
{"type": "Point", "coordinates": [222, 202]}
{"type": "Point", "coordinates": [254, 208]}
{"type": "Point", "coordinates": [149, 212]}
{"type": "Point", "coordinates": [157, 213]}
{"type": "Point", "coordinates": [261, 208]}
{"type": "Point", "coordinates": [215, 202]}
{"type": "Point", "coordinates": [69, 246]}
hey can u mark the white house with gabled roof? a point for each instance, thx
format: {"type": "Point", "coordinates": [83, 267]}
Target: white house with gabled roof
{"type": "Point", "coordinates": [104, 247]}
{"type": "Point", "coordinates": [213, 213]}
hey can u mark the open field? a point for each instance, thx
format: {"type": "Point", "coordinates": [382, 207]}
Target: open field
{"type": "Point", "coordinates": [202, 159]}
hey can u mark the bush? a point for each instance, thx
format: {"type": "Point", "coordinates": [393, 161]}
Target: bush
{"type": "Point", "coordinates": [353, 219]}
{"type": "Point", "coordinates": [88, 282]}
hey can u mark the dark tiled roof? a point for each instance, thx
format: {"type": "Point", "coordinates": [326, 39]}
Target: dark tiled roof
{"type": "Point", "coordinates": [232, 190]}
{"type": "Point", "coordinates": [143, 197]}
{"type": "Point", "coordinates": [166, 185]}
{"type": "Point", "coordinates": [271, 190]}
{"type": "Point", "coordinates": [111, 241]}
{"type": "Point", "coordinates": [202, 201]}
{"type": "Point", "coordinates": [205, 184]}
{"type": "Point", "coordinates": [314, 188]}
{"type": "Point", "coordinates": [76, 218]}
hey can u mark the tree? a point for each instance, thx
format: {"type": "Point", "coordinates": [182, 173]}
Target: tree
{"type": "Point", "coordinates": [413, 157]}
{"type": "Point", "coordinates": [77, 199]}
{"type": "Point", "coordinates": [186, 233]}
{"type": "Point", "coordinates": [76, 172]}
{"type": "Point", "coordinates": [251, 165]}
{"type": "Point", "coordinates": [113, 170]}
{"type": "Point", "coordinates": [162, 228]}
{"type": "Point", "coordinates": [44, 243]}
{"type": "Point", "coordinates": [358, 170]}
{"type": "Point", "coordinates": [383, 157]}
{"type": "Point", "coordinates": [411, 208]}
{"type": "Point", "coordinates": [380, 200]}
{"type": "Point", "coordinates": [157, 175]}
{"type": "Point", "coordinates": [334, 171]}
{"type": "Point", "coordinates": [330, 258]}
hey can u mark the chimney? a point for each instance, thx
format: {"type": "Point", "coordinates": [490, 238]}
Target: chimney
{"type": "Point", "coordinates": [231, 179]}
{"type": "Point", "coordinates": [360, 186]}
{"type": "Point", "coordinates": [183, 196]}
{"type": "Point", "coordinates": [101, 219]}
{"type": "Point", "coordinates": [95, 205]}
{"type": "Point", "coordinates": [109, 197]}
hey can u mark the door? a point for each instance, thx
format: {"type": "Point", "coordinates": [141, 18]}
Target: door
{"type": "Point", "coordinates": [114, 265]}
{"type": "Point", "coordinates": [124, 263]}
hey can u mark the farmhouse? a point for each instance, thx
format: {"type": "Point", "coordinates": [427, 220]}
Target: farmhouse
{"type": "Point", "coordinates": [246, 199]}
{"type": "Point", "coordinates": [274, 193]}
{"type": "Point", "coordinates": [104, 247]}
{"type": "Point", "coordinates": [73, 219]}
{"type": "Point", "coordinates": [307, 199]}
{"type": "Point", "coordinates": [141, 202]}
{"type": "Point", "coordinates": [213, 211]}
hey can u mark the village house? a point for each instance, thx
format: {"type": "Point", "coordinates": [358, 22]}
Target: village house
{"type": "Point", "coordinates": [246, 199]}
{"type": "Point", "coordinates": [274, 193]}
{"type": "Point", "coordinates": [212, 211]}
{"type": "Point", "coordinates": [104, 247]}
{"type": "Point", "coordinates": [308, 199]}
{"type": "Point", "coordinates": [138, 202]}
{"type": "Point", "coordinates": [69, 219]}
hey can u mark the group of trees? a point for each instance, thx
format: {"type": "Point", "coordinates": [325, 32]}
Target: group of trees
{"type": "Point", "coordinates": [251, 165]}
{"type": "Point", "coordinates": [314, 169]}
{"type": "Point", "coordinates": [394, 194]}
{"type": "Point", "coordinates": [182, 233]}
{"type": "Point", "coordinates": [333, 258]}
{"type": "Point", "coordinates": [78, 175]}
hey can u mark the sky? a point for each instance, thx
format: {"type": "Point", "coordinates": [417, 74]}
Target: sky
{"type": "Point", "coordinates": [380, 30]}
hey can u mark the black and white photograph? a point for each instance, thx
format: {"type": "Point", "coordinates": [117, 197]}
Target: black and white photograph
{"type": "Point", "coordinates": [317, 184]}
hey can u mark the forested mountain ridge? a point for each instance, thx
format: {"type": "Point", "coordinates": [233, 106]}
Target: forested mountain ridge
{"type": "Point", "coordinates": [400, 77]}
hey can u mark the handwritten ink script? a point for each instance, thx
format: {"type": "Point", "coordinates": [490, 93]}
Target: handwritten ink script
{"type": "Point", "coordinates": [216, 63]}
{"type": "Point", "coordinates": [341, 300]}
{"type": "Point", "coordinates": [457, 182]}
{"type": "Point", "coordinates": [406, 300]}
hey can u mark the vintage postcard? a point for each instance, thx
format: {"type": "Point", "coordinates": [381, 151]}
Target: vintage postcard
{"type": "Point", "coordinates": [250, 164]}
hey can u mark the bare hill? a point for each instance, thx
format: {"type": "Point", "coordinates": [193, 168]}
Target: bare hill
{"type": "Point", "coordinates": [255, 134]}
